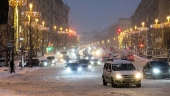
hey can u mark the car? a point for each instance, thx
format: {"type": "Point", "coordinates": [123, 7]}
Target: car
{"type": "Point", "coordinates": [2, 62]}
{"type": "Point", "coordinates": [95, 62]}
{"type": "Point", "coordinates": [104, 58]}
{"type": "Point", "coordinates": [124, 57]}
{"type": "Point", "coordinates": [34, 62]}
{"type": "Point", "coordinates": [52, 60]}
{"type": "Point", "coordinates": [156, 69]}
{"type": "Point", "coordinates": [84, 63]}
{"type": "Point", "coordinates": [73, 66]}
{"type": "Point", "coordinates": [44, 63]}
{"type": "Point", "coordinates": [114, 56]}
{"type": "Point", "coordinates": [130, 58]}
{"type": "Point", "coordinates": [121, 72]}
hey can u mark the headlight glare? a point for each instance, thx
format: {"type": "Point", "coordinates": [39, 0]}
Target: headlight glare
{"type": "Point", "coordinates": [138, 76]}
{"type": "Point", "coordinates": [156, 71]}
{"type": "Point", "coordinates": [79, 68]}
{"type": "Point", "coordinates": [118, 76]}
{"type": "Point", "coordinates": [45, 63]}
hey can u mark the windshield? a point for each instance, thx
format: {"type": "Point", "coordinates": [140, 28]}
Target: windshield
{"type": "Point", "coordinates": [123, 67]}
{"type": "Point", "coordinates": [72, 64]}
{"type": "Point", "coordinates": [43, 60]}
{"type": "Point", "coordinates": [83, 61]}
{"type": "Point", "coordinates": [159, 64]}
{"type": "Point", "coordinates": [95, 60]}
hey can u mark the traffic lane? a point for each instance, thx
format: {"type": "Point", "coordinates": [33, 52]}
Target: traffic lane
{"type": "Point", "coordinates": [55, 82]}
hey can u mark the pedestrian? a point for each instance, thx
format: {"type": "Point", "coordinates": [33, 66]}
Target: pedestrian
{"type": "Point", "coordinates": [12, 66]}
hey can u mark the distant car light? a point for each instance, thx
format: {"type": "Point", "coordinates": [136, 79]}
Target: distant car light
{"type": "Point", "coordinates": [98, 62]}
{"type": "Point", "coordinates": [45, 63]}
{"type": "Point", "coordinates": [68, 69]}
{"type": "Point", "coordinates": [87, 57]}
{"type": "Point", "coordinates": [92, 62]}
{"type": "Point", "coordinates": [89, 66]}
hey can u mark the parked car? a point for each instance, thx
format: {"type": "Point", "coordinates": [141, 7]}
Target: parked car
{"type": "Point", "coordinates": [34, 62]}
{"type": "Point", "coordinates": [2, 62]}
{"type": "Point", "coordinates": [156, 69]}
{"type": "Point", "coordinates": [121, 72]}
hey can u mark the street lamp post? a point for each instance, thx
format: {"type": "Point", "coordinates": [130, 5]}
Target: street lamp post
{"type": "Point", "coordinates": [15, 4]}
{"type": "Point", "coordinates": [30, 14]}
{"type": "Point", "coordinates": [156, 22]}
{"type": "Point", "coordinates": [37, 36]}
{"type": "Point", "coordinates": [43, 39]}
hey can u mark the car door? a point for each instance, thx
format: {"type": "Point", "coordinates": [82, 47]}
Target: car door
{"type": "Point", "coordinates": [105, 70]}
{"type": "Point", "coordinates": [109, 71]}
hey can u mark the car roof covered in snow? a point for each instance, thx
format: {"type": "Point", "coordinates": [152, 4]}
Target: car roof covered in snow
{"type": "Point", "coordinates": [120, 62]}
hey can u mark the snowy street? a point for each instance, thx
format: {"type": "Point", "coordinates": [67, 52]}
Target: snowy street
{"type": "Point", "coordinates": [56, 81]}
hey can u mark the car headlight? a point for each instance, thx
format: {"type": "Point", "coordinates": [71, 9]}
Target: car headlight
{"type": "Point", "coordinates": [62, 60]}
{"type": "Point", "coordinates": [92, 62]}
{"type": "Point", "coordinates": [79, 68]}
{"type": "Point", "coordinates": [45, 63]}
{"type": "Point", "coordinates": [138, 76]}
{"type": "Point", "coordinates": [98, 62]}
{"type": "Point", "coordinates": [61, 55]}
{"type": "Point", "coordinates": [118, 76]}
{"type": "Point", "coordinates": [68, 69]}
{"type": "Point", "coordinates": [52, 61]}
{"type": "Point", "coordinates": [89, 66]}
{"type": "Point", "coordinates": [87, 57]}
{"type": "Point", "coordinates": [156, 71]}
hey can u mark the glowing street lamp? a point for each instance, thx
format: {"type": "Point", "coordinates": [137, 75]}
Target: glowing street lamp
{"type": "Point", "coordinates": [168, 17]}
{"type": "Point", "coordinates": [143, 24]}
{"type": "Point", "coordinates": [15, 4]}
{"type": "Point", "coordinates": [156, 21]}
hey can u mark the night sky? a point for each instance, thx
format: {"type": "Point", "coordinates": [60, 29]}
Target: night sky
{"type": "Point", "coordinates": [96, 15]}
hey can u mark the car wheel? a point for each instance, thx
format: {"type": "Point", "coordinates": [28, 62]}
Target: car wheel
{"type": "Point", "coordinates": [104, 82]}
{"type": "Point", "coordinates": [138, 85]}
{"type": "Point", "coordinates": [113, 83]}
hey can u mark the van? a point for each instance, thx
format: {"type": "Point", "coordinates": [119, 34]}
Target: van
{"type": "Point", "coordinates": [121, 72]}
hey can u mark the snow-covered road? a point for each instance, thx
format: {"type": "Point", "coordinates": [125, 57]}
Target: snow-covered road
{"type": "Point", "coordinates": [55, 81]}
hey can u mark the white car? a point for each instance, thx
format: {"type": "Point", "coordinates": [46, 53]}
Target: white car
{"type": "Point", "coordinates": [121, 72]}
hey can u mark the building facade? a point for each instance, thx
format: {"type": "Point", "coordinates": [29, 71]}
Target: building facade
{"type": "Point", "coordinates": [149, 10]}
{"type": "Point", "coordinates": [124, 24]}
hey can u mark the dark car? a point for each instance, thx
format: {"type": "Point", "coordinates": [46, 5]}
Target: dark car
{"type": "Point", "coordinates": [44, 63]}
{"type": "Point", "coordinates": [73, 66]}
{"type": "Point", "coordinates": [34, 62]}
{"type": "Point", "coordinates": [84, 62]}
{"type": "Point", "coordinates": [155, 69]}
{"type": "Point", "coordinates": [124, 57]}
